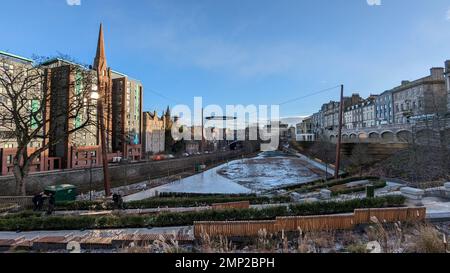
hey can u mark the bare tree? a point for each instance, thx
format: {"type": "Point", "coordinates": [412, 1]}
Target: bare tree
{"type": "Point", "coordinates": [34, 111]}
{"type": "Point", "coordinates": [325, 151]}
{"type": "Point", "coordinates": [360, 157]}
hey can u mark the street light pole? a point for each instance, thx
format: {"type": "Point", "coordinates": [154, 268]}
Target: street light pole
{"type": "Point", "coordinates": [339, 140]}
{"type": "Point", "coordinates": [90, 179]}
{"type": "Point", "coordinates": [103, 146]}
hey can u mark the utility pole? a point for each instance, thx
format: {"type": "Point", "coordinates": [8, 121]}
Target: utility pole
{"type": "Point", "coordinates": [103, 146]}
{"type": "Point", "coordinates": [202, 149]}
{"type": "Point", "coordinates": [337, 166]}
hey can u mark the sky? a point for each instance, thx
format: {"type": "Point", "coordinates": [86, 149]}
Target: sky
{"type": "Point", "coordinates": [259, 52]}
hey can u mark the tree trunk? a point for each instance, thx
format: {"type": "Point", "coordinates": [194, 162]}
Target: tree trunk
{"type": "Point", "coordinates": [20, 182]}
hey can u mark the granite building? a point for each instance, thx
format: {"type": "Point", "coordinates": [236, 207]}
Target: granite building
{"type": "Point", "coordinates": [421, 98]}
{"type": "Point", "coordinates": [153, 140]}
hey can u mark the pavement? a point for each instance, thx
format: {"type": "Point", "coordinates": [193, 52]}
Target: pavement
{"type": "Point", "coordinates": [30, 235]}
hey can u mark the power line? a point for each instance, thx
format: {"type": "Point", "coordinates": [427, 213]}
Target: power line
{"type": "Point", "coordinates": [162, 96]}
{"type": "Point", "coordinates": [310, 95]}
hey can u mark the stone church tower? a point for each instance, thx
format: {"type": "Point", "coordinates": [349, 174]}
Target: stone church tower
{"type": "Point", "coordinates": [104, 87]}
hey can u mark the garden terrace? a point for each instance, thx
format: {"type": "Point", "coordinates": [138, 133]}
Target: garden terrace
{"type": "Point", "coordinates": [37, 221]}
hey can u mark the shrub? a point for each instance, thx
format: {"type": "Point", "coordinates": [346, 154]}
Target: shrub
{"type": "Point", "coordinates": [172, 202]}
{"type": "Point", "coordinates": [322, 208]}
{"type": "Point", "coordinates": [376, 185]}
{"type": "Point", "coordinates": [188, 218]}
{"type": "Point", "coordinates": [428, 240]}
{"type": "Point", "coordinates": [320, 183]}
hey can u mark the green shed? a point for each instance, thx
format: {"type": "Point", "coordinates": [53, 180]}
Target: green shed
{"type": "Point", "coordinates": [62, 193]}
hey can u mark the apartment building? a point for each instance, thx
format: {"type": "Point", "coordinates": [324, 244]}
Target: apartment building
{"type": "Point", "coordinates": [127, 116]}
{"type": "Point", "coordinates": [384, 108]}
{"type": "Point", "coordinates": [421, 98]}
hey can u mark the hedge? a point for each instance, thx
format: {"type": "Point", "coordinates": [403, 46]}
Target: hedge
{"type": "Point", "coordinates": [319, 184]}
{"type": "Point", "coordinates": [377, 185]}
{"type": "Point", "coordinates": [322, 208]}
{"type": "Point", "coordinates": [35, 222]}
{"type": "Point", "coordinates": [188, 218]}
{"type": "Point", "coordinates": [172, 202]}
{"type": "Point", "coordinates": [72, 222]}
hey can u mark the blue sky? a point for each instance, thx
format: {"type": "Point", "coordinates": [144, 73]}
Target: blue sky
{"type": "Point", "coordinates": [241, 51]}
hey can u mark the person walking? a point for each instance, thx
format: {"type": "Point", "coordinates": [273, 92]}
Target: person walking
{"type": "Point", "coordinates": [51, 204]}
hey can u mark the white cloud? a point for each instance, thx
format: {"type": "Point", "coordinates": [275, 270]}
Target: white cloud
{"type": "Point", "coordinates": [374, 2]}
{"type": "Point", "coordinates": [448, 15]}
{"type": "Point", "coordinates": [73, 2]}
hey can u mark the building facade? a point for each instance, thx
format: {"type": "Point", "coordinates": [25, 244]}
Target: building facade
{"type": "Point", "coordinates": [420, 98]}
{"type": "Point", "coordinates": [154, 133]}
{"type": "Point", "coordinates": [126, 112]}
{"type": "Point", "coordinates": [369, 112]}
{"type": "Point", "coordinates": [384, 107]}
{"type": "Point", "coordinates": [305, 130]}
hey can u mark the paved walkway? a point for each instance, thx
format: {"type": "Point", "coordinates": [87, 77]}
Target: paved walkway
{"type": "Point", "coordinates": [30, 235]}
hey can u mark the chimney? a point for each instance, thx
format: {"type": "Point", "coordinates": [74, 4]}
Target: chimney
{"type": "Point", "coordinates": [437, 73]}
{"type": "Point", "coordinates": [405, 82]}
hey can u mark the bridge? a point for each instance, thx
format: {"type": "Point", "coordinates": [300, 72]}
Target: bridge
{"type": "Point", "coordinates": [423, 132]}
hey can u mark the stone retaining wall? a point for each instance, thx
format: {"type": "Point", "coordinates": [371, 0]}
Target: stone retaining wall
{"type": "Point", "coordinates": [120, 174]}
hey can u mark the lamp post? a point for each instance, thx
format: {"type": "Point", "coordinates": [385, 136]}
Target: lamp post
{"type": "Point", "coordinates": [101, 123]}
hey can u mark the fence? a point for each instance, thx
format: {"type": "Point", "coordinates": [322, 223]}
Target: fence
{"type": "Point", "coordinates": [309, 223]}
{"type": "Point", "coordinates": [22, 201]}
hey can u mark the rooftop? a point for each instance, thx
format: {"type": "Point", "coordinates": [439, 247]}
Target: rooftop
{"type": "Point", "coordinates": [15, 56]}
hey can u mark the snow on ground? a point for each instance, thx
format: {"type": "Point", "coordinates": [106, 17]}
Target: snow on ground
{"type": "Point", "coordinates": [206, 182]}
{"type": "Point", "coordinates": [266, 171]}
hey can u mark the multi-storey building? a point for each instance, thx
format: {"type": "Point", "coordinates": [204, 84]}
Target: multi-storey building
{"type": "Point", "coordinates": [153, 140]}
{"type": "Point", "coordinates": [11, 63]}
{"type": "Point", "coordinates": [62, 81]}
{"type": "Point", "coordinates": [305, 130]}
{"type": "Point", "coordinates": [369, 112]}
{"type": "Point", "coordinates": [384, 106]}
{"type": "Point", "coordinates": [420, 98]}
{"type": "Point", "coordinates": [127, 120]}
{"type": "Point", "coordinates": [353, 116]}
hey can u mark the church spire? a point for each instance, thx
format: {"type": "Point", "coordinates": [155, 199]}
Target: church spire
{"type": "Point", "coordinates": [168, 111]}
{"type": "Point", "coordinates": [100, 57]}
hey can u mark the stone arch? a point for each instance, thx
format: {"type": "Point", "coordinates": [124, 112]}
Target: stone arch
{"type": "Point", "coordinates": [332, 138]}
{"type": "Point", "coordinates": [353, 136]}
{"type": "Point", "coordinates": [374, 135]}
{"type": "Point", "coordinates": [387, 136]}
{"type": "Point", "coordinates": [363, 136]}
{"type": "Point", "coordinates": [405, 136]}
